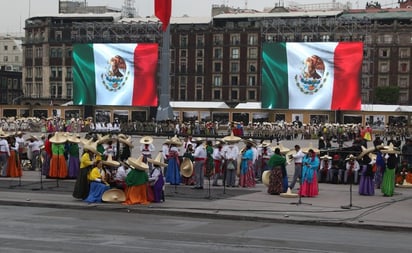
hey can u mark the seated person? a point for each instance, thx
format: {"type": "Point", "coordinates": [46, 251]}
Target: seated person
{"type": "Point", "coordinates": [98, 184]}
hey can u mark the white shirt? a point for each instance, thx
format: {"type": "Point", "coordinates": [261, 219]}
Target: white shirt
{"type": "Point", "coordinates": [35, 145]}
{"type": "Point", "coordinates": [121, 173]}
{"type": "Point", "coordinates": [322, 164]}
{"type": "Point", "coordinates": [356, 166]}
{"type": "Point", "coordinates": [298, 156]}
{"type": "Point", "coordinates": [200, 152]}
{"type": "Point", "coordinates": [4, 147]}
{"type": "Point", "coordinates": [231, 152]}
{"type": "Point", "coordinates": [147, 151]}
{"type": "Point", "coordinates": [217, 154]}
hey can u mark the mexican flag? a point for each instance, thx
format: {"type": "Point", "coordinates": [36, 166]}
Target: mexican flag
{"type": "Point", "coordinates": [318, 76]}
{"type": "Point", "coordinates": [115, 74]}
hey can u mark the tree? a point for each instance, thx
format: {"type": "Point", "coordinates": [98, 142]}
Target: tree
{"type": "Point", "coordinates": [387, 95]}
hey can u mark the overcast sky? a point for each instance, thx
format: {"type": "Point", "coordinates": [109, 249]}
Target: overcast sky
{"type": "Point", "coordinates": [13, 13]}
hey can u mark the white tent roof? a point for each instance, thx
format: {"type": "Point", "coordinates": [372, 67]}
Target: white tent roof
{"type": "Point", "coordinates": [386, 108]}
{"type": "Point", "coordinates": [249, 105]}
{"type": "Point", "coordinates": [198, 104]}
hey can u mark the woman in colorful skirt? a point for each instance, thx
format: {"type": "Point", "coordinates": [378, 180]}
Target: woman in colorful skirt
{"type": "Point", "coordinates": [13, 164]}
{"type": "Point", "coordinates": [388, 180]}
{"type": "Point", "coordinates": [173, 163]}
{"type": "Point", "coordinates": [74, 161]}
{"type": "Point", "coordinates": [366, 182]}
{"type": "Point", "coordinates": [246, 174]}
{"type": "Point", "coordinates": [98, 184]}
{"type": "Point", "coordinates": [136, 181]}
{"type": "Point", "coordinates": [58, 165]}
{"type": "Point", "coordinates": [309, 187]}
{"type": "Point", "coordinates": [156, 180]}
{"type": "Point", "coordinates": [275, 164]}
{"type": "Point", "coordinates": [82, 186]}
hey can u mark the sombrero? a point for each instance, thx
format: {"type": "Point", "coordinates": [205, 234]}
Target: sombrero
{"type": "Point", "coordinates": [104, 139]}
{"type": "Point", "coordinates": [218, 142]}
{"type": "Point", "coordinates": [405, 184]}
{"type": "Point", "coordinates": [306, 149]}
{"type": "Point", "coordinates": [390, 150]}
{"type": "Point", "coordinates": [158, 160]}
{"type": "Point", "coordinates": [33, 138]}
{"type": "Point", "coordinates": [198, 140]}
{"type": "Point", "coordinates": [350, 157]}
{"type": "Point", "coordinates": [186, 168]}
{"type": "Point", "coordinates": [137, 163]}
{"type": "Point", "coordinates": [265, 144]}
{"type": "Point", "coordinates": [265, 177]}
{"type": "Point", "coordinates": [110, 162]}
{"type": "Point", "coordinates": [365, 151]}
{"type": "Point", "coordinates": [73, 139]}
{"type": "Point", "coordinates": [326, 157]}
{"type": "Point", "coordinates": [231, 138]}
{"type": "Point", "coordinates": [58, 138]}
{"type": "Point", "coordinates": [146, 140]}
{"type": "Point", "coordinates": [283, 149]}
{"type": "Point", "coordinates": [125, 141]}
{"type": "Point", "coordinates": [92, 147]}
{"type": "Point", "coordinates": [289, 194]}
{"type": "Point", "coordinates": [176, 141]}
{"type": "Point", "coordinates": [114, 195]}
{"type": "Point", "coordinates": [122, 136]}
{"type": "Point", "coordinates": [250, 141]}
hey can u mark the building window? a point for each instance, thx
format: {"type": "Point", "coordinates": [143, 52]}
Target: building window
{"type": "Point", "coordinates": [199, 67]}
{"type": "Point", "coordinates": [183, 81]}
{"type": "Point", "coordinates": [218, 39]}
{"type": "Point", "coordinates": [365, 67]}
{"type": "Point", "coordinates": [234, 80]}
{"type": "Point", "coordinates": [252, 67]}
{"type": "Point", "coordinates": [403, 82]}
{"type": "Point", "coordinates": [200, 41]}
{"type": "Point", "coordinates": [29, 53]}
{"type": "Point", "coordinates": [38, 90]}
{"type": "Point", "coordinates": [56, 72]}
{"type": "Point", "coordinates": [218, 53]}
{"type": "Point", "coordinates": [199, 80]}
{"type": "Point", "coordinates": [252, 39]}
{"type": "Point", "coordinates": [235, 39]}
{"type": "Point", "coordinates": [251, 94]}
{"type": "Point", "coordinates": [252, 80]}
{"type": "Point", "coordinates": [234, 94]}
{"type": "Point", "coordinates": [217, 81]}
{"type": "Point", "coordinates": [199, 94]}
{"type": "Point", "coordinates": [69, 73]}
{"type": "Point", "coordinates": [16, 58]}
{"type": "Point", "coordinates": [365, 82]}
{"type": "Point", "coordinates": [234, 67]}
{"type": "Point", "coordinates": [183, 53]}
{"type": "Point", "coordinates": [38, 52]}
{"type": "Point", "coordinates": [6, 47]}
{"type": "Point", "coordinates": [69, 90]}
{"type": "Point", "coordinates": [58, 35]}
{"type": "Point", "coordinates": [68, 52]}
{"type": "Point", "coordinates": [183, 66]}
{"type": "Point", "coordinates": [183, 41]}
{"type": "Point", "coordinates": [252, 53]}
{"type": "Point", "coordinates": [39, 72]}
{"type": "Point", "coordinates": [216, 94]}
{"type": "Point", "coordinates": [404, 52]}
{"type": "Point", "coordinates": [403, 67]}
{"type": "Point", "coordinates": [234, 54]}
{"type": "Point", "coordinates": [217, 67]}
{"type": "Point", "coordinates": [28, 89]}
{"type": "Point", "coordinates": [199, 53]}
{"type": "Point", "coordinates": [384, 52]}
{"type": "Point", "coordinates": [383, 81]}
{"type": "Point", "coordinates": [56, 52]}
{"type": "Point", "coordinates": [404, 97]}
{"type": "Point", "coordinates": [384, 67]}
{"type": "Point", "coordinates": [29, 71]}
{"type": "Point", "coordinates": [182, 94]}
{"type": "Point", "coordinates": [5, 58]}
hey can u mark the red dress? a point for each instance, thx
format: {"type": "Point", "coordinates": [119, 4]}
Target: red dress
{"type": "Point", "coordinates": [14, 166]}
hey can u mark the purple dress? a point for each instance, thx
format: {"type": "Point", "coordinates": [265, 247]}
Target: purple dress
{"type": "Point", "coordinates": [366, 183]}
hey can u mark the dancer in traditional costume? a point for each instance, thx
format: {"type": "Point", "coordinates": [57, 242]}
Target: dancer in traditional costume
{"type": "Point", "coordinates": [58, 165]}
{"type": "Point", "coordinates": [309, 187]}
{"type": "Point", "coordinates": [98, 183]}
{"type": "Point", "coordinates": [136, 181]}
{"type": "Point", "coordinates": [275, 164]}
{"type": "Point", "coordinates": [81, 187]}
{"type": "Point", "coordinates": [366, 183]}
{"type": "Point", "coordinates": [14, 165]}
{"type": "Point", "coordinates": [247, 172]}
{"type": "Point", "coordinates": [73, 155]}
{"type": "Point", "coordinates": [173, 164]}
{"type": "Point", "coordinates": [388, 180]}
{"type": "Point", "coordinates": [156, 180]}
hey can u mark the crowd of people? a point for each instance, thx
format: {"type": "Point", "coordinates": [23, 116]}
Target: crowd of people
{"type": "Point", "coordinates": [102, 165]}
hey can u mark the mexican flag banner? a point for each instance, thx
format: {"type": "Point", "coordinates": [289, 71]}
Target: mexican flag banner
{"type": "Point", "coordinates": [318, 76]}
{"type": "Point", "coordinates": [115, 74]}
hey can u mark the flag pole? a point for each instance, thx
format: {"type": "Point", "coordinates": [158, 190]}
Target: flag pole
{"type": "Point", "coordinates": [164, 110]}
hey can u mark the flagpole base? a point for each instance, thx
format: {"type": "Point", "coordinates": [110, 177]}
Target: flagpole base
{"type": "Point", "coordinates": [164, 113]}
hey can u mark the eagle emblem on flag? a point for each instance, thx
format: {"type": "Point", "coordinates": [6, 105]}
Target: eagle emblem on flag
{"type": "Point", "coordinates": [116, 74]}
{"type": "Point", "coordinates": [312, 75]}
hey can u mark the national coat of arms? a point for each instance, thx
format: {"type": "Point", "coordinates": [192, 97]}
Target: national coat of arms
{"type": "Point", "coordinates": [116, 74]}
{"type": "Point", "coordinates": [312, 76]}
